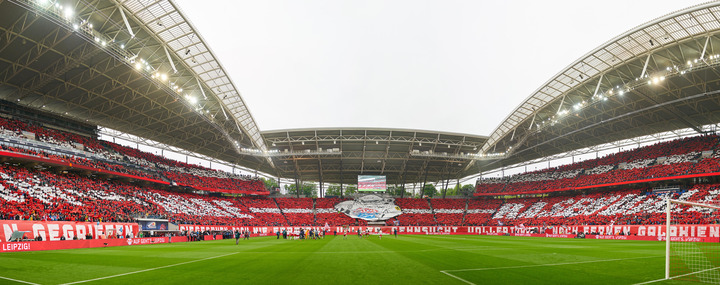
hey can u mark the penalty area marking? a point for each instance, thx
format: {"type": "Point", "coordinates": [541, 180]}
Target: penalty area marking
{"type": "Point", "coordinates": [691, 273]}
{"type": "Point", "coordinates": [18, 281]}
{"type": "Point", "coordinates": [446, 272]}
{"type": "Point", "coordinates": [146, 270]}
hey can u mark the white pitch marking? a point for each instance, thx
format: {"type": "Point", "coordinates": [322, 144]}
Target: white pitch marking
{"type": "Point", "coordinates": [19, 281]}
{"type": "Point", "coordinates": [458, 278]}
{"type": "Point", "coordinates": [534, 265]}
{"type": "Point", "coordinates": [551, 264]}
{"type": "Point", "coordinates": [691, 273]}
{"type": "Point", "coordinates": [149, 269]}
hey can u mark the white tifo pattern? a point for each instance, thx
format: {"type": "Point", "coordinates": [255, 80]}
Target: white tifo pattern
{"type": "Point", "coordinates": [626, 203]}
{"type": "Point", "coordinates": [694, 261]}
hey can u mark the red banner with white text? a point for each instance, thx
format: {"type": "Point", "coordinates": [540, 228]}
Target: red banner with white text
{"type": "Point", "coordinates": [699, 231]}
{"type": "Point", "coordinates": [54, 230]}
{"type": "Point", "coordinates": [70, 244]}
{"type": "Point", "coordinates": [656, 232]}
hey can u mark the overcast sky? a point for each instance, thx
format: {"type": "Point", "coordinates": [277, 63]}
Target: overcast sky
{"type": "Point", "coordinates": [455, 66]}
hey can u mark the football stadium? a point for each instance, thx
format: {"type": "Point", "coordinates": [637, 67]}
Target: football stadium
{"type": "Point", "coordinates": [129, 156]}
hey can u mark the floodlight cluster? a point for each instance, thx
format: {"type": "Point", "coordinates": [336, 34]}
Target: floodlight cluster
{"type": "Point", "coordinates": [78, 24]}
{"type": "Point", "coordinates": [65, 13]}
{"type": "Point", "coordinates": [620, 90]}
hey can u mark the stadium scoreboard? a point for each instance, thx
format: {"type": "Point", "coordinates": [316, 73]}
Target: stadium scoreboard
{"type": "Point", "coordinates": [371, 183]}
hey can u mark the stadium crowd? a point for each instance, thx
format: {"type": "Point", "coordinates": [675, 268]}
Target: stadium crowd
{"type": "Point", "coordinates": [42, 195]}
{"type": "Point", "coordinates": [120, 159]}
{"type": "Point", "coordinates": [685, 156]}
{"type": "Point", "coordinates": [39, 194]}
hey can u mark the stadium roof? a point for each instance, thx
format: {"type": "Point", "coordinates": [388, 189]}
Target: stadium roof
{"type": "Point", "coordinates": [404, 156]}
{"type": "Point", "coordinates": [140, 67]}
{"type": "Point", "coordinates": [134, 66]}
{"type": "Point", "coordinates": [660, 76]}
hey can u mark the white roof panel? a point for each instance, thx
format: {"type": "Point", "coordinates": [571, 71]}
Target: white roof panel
{"type": "Point", "coordinates": [694, 21]}
{"type": "Point", "coordinates": [177, 33]}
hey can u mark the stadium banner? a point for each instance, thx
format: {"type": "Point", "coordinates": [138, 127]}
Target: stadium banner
{"type": "Point", "coordinates": [270, 231]}
{"type": "Point", "coordinates": [254, 231]}
{"type": "Point", "coordinates": [71, 244]}
{"type": "Point", "coordinates": [371, 183]}
{"type": "Point", "coordinates": [657, 238]}
{"type": "Point", "coordinates": [369, 208]}
{"type": "Point", "coordinates": [54, 230]}
{"type": "Point", "coordinates": [709, 233]}
{"type": "Point", "coordinates": [178, 239]}
{"type": "Point", "coordinates": [615, 237]}
{"type": "Point", "coordinates": [692, 231]}
{"type": "Point", "coordinates": [212, 237]}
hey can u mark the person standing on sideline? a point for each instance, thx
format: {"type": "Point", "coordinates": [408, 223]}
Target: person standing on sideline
{"type": "Point", "coordinates": [395, 232]}
{"type": "Point", "coordinates": [277, 234]}
{"type": "Point", "coordinates": [237, 237]}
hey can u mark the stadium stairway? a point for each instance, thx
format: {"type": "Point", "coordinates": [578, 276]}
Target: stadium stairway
{"type": "Point", "coordinates": [314, 212]}
{"type": "Point", "coordinates": [462, 222]}
{"type": "Point", "coordinates": [281, 211]}
{"type": "Point", "coordinates": [432, 211]}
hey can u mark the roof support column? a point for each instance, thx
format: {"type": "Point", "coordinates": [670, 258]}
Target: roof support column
{"type": "Point", "coordinates": [320, 174]}
{"type": "Point", "coordinates": [597, 88]}
{"type": "Point", "coordinates": [167, 53]}
{"type": "Point", "coordinates": [127, 24]}
{"type": "Point", "coordinates": [645, 67]}
{"type": "Point", "coordinates": [533, 121]}
{"type": "Point", "coordinates": [204, 96]}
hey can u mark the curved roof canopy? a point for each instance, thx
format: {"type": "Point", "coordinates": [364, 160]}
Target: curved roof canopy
{"type": "Point", "coordinates": [140, 67]}
{"type": "Point", "coordinates": [661, 76]}
{"type": "Point", "coordinates": [136, 66]}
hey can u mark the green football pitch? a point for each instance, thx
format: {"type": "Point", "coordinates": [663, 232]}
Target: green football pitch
{"type": "Point", "coordinates": [408, 259]}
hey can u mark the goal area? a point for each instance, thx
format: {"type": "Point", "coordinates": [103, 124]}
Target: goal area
{"type": "Point", "coordinates": [687, 258]}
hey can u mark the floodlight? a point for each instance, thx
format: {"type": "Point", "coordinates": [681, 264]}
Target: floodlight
{"type": "Point", "coordinates": [68, 12]}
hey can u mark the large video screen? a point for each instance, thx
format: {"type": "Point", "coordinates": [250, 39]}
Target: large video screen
{"type": "Point", "coordinates": [371, 183]}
